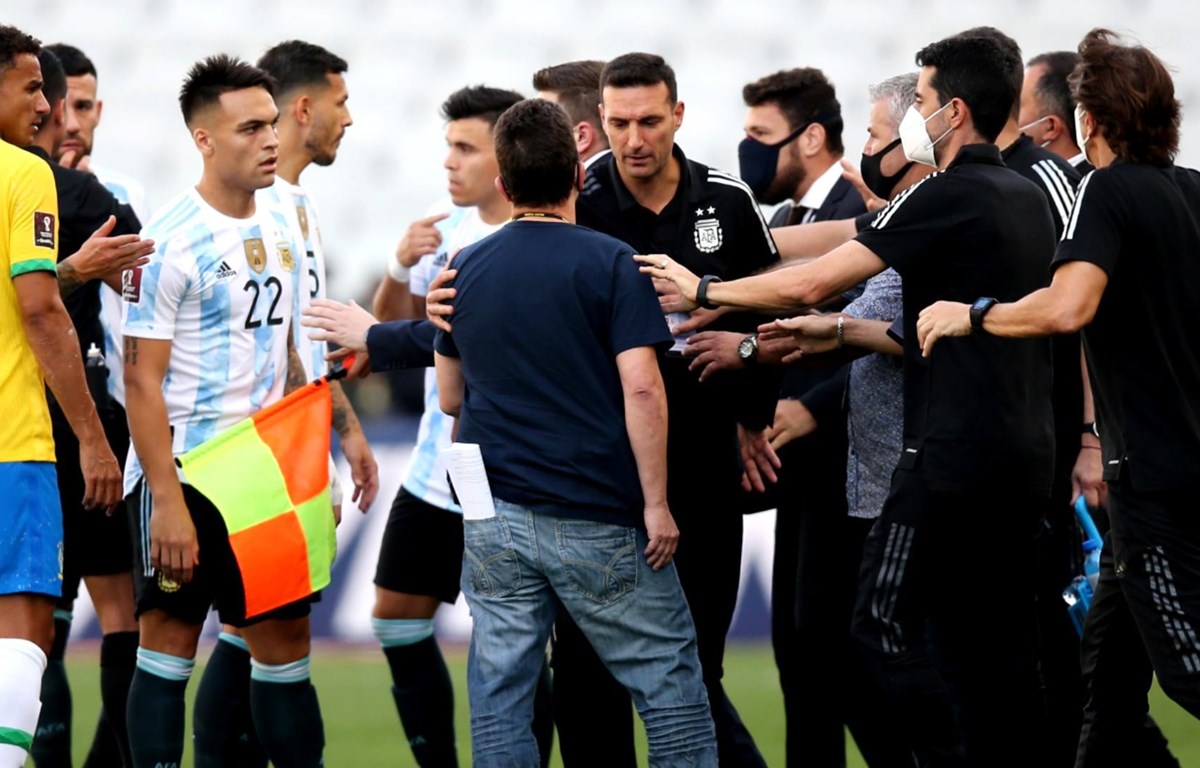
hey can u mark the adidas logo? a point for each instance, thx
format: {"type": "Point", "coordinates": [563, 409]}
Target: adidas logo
{"type": "Point", "coordinates": [224, 272]}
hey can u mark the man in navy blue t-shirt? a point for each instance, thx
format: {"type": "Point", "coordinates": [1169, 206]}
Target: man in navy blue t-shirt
{"type": "Point", "coordinates": [552, 370]}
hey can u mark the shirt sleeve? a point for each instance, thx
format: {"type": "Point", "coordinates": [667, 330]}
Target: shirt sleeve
{"type": "Point", "coordinates": [903, 231]}
{"type": "Point", "coordinates": [637, 319]}
{"type": "Point", "coordinates": [1093, 233]}
{"type": "Point", "coordinates": [153, 294]}
{"type": "Point", "coordinates": [881, 300]}
{"type": "Point", "coordinates": [444, 344]}
{"type": "Point", "coordinates": [863, 220]}
{"type": "Point", "coordinates": [33, 232]}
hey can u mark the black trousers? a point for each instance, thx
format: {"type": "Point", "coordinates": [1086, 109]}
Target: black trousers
{"type": "Point", "coordinates": [824, 677]}
{"type": "Point", "coordinates": [592, 711]}
{"type": "Point", "coordinates": [946, 612]}
{"type": "Point", "coordinates": [1144, 619]}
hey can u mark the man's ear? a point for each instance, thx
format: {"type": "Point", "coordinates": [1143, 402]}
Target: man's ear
{"type": "Point", "coordinates": [585, 137]}
{"type": "Point", "coordinates": [99, 110]}
{"type": "Point", "coordinates": [812, 140]}
{"type": "Point", "coordinates": [678, 112]}
{"type": "Point", "coordinates": [58, 115]}
{"type": "Point", "coordinates": [203, 141]}
{"type": "Point", "coordinates": [503, 190]}
{"type": "Point", "coordinates": [301, 109]}
{"type": "Point", "coordinates": [1056, 127]}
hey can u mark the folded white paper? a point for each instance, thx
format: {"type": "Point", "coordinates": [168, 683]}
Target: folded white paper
{"type": "Point", "coordinates": [464, 462]}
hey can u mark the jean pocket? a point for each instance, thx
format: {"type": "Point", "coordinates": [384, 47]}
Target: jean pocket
{"type": "Point", "coordinates": [600, 559]}
{"type": "Point", "coordinates": [490, 566]}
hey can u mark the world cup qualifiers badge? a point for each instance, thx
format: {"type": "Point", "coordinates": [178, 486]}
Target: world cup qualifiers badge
{"type": "Point", "coordinates": [707, 234]}
{"type": "Point", "coordinates": [256, 254]}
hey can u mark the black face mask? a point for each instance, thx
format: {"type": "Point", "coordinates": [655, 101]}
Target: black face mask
{"type": "Point", "coordinates": [758, 163]}
{"type": "Point", "coordinates": [873, 177]}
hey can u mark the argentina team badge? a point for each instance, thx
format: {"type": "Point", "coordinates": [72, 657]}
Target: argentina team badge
{"type": "Point", "coordinates": [707, 235]}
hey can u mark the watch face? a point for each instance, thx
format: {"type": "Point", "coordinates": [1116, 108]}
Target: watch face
{"type": "Point", "coordinates": [746, 348]}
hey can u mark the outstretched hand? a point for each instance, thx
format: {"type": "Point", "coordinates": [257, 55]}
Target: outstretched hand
{"type": "Point", "coordinates": [662, 267]}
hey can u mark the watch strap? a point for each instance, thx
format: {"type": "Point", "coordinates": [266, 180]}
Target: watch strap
{"type": "Point", "coordinates": [702, 291]}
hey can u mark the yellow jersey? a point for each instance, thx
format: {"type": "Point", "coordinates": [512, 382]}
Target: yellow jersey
{"type": "Point", "coordinates": [28, 243]}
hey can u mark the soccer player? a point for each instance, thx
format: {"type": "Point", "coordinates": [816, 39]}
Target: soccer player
{"type": "Point", "coordinates": [310, 92]}
{"type": "Point", "coordinates": [37, 340]}
{"type": "Point", "coordinates": [208, 342]}
{"type": "Point", "coordinates": [420, 560]}
{"type": "Point", "coordinates": [96, 548]}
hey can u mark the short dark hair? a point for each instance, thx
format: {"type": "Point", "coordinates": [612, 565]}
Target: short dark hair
{"type": "Point", "coordinates": [13, 43]}
{"type": "Point", "coordinates": [1053, 91]}
{"type": "Point", "coordinates": [977, 70]}
{"type": "Point", "coordinates": [636, 69]}
{"type": "Point", "coordinates": [74, 62]}
{"type": "Point", "coordinates": [295, 63]}
{"type": "Point", "coordinates": [54, 80]}
{"type": "Point", "coordinates": [536, 153]}
{"type": "Point", "coordinates": [1012, 49]}
{"type": "Point", "coordinates": [804, 96]}
{"type": "Point", "coordinates": [479, 101]}
{"type": "Point", "coordinates": [572, 74]}
{"type": "Point", "coordinates": [1129, 93]}
{"type": "Point", "coordinates": [582, 105]}
{"type": "Point", "coordinates": [216, 75]}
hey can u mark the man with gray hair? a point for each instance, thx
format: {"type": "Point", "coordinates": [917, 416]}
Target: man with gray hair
{"type": "Point", "coordinates": [843, 690]}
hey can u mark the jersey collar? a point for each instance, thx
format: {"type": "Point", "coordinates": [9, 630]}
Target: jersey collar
{"type": "Point", "coordinates": [977, 154]}
{"type": "Point", "coordinates": [689, 186]}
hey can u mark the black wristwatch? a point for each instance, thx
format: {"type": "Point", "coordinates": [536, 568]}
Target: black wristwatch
{"type": "Point", "coordinates": [1090, 428]}
{"type": "Point", "coordinates": [702, 291]}
{"type": "Point", "coordinates": [748, 349]}
{"type": "Point", "coordinates": [978, 310]}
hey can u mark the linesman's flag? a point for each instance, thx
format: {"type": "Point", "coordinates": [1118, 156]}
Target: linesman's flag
{"type": "Point", "coordinates": [268, 475]}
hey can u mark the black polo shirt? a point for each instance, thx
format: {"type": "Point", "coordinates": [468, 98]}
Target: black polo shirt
{"type": "Point", "coordinates": [977, 412]}
{"type": "Point", "coordinates": [1058, 181]}
{"type": "Point", "coordinates": [712, 226]}
{"type": "Point", "coordinates": [1140, 223]}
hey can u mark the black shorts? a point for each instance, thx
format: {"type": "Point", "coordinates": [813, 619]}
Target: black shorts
{"type": "Point", "coordinates": [94, 544]}
{"type": "Point", "coordinates": [216, 581]}
{"type": "Point", "coordinates": [422, 549]}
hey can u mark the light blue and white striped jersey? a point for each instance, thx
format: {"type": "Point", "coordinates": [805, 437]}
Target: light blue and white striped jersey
{"type": "Point", "coordinates": [425, 476]}
{"type": "Point", "coordinates": [301, 213]}
{"type": "Point", "coordinates": [129, 191]}
{"type": "Point", "coordinates": [223, 290]}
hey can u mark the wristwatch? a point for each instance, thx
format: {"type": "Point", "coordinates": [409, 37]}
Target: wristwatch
{"type": "Point", "coordinates": [702, 291]}
{"type": "Point", "coordinates": [1090, 428]}
{"type": "Point", "coordinates": [978, 310]}
{"type": "Point", "coordinates": [748, 349]}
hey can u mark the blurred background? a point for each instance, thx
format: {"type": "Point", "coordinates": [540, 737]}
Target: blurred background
{"type": "Point", "coordinates": [405, 57]}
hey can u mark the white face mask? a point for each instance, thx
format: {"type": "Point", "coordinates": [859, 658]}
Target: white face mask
{"type": "Point", "coordinates": [1024, 128]}
{"type": "Point", "coordinates": [918, 146]}
{"type": "Point", "coordinates": [1083, 140]}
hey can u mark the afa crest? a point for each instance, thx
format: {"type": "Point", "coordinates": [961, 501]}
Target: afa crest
{"type": "Point", "coordinates": [707, 235]}
{"type": "Point", "coordinates": [256, 254]}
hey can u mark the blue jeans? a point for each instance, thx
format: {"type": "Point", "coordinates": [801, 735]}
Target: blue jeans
{"type": "Point", "coordinates": [518, 569]}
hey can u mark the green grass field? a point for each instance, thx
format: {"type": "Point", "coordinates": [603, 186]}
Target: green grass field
{"type": "Point", "coordinates": [361, 727]}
